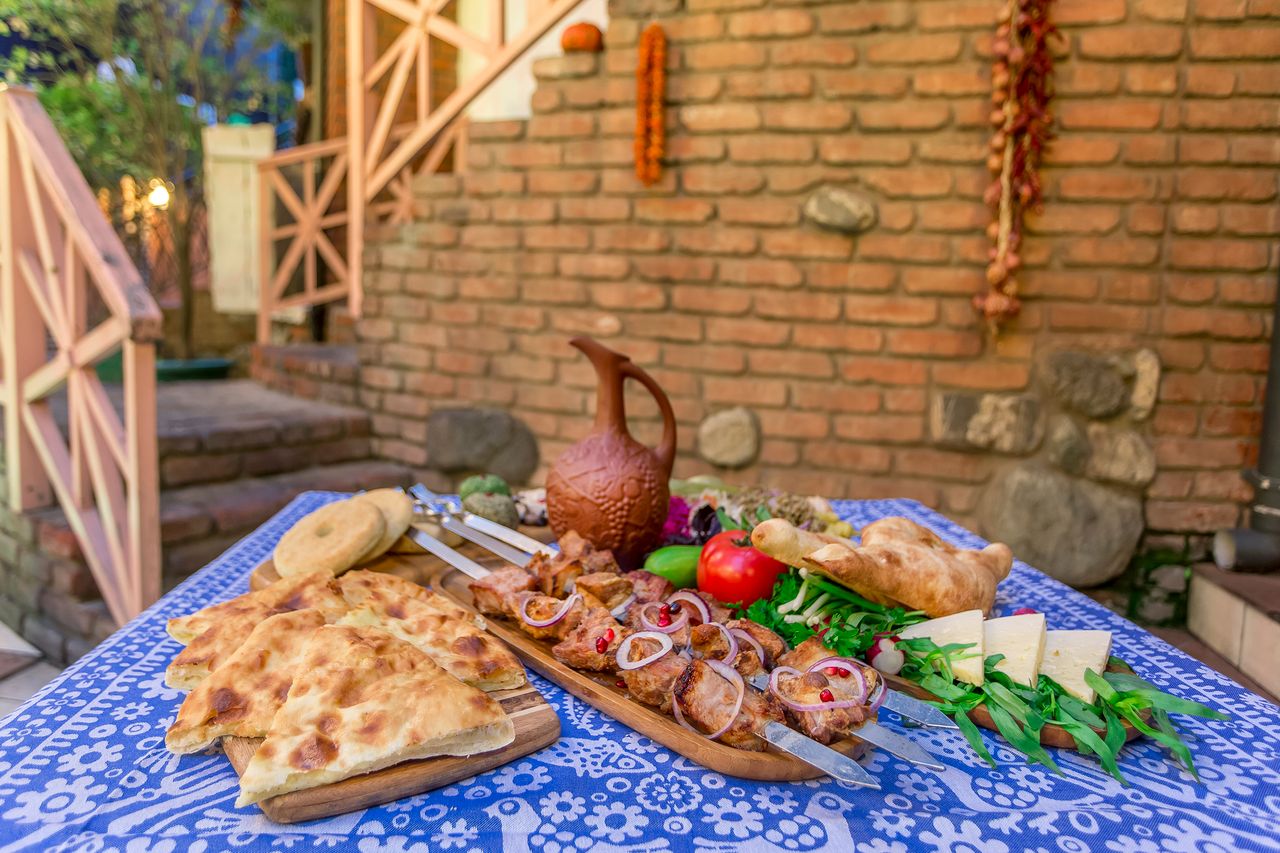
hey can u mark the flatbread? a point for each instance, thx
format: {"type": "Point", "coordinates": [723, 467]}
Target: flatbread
{"type": "Point", "coordinates": [332, 539]}
{"type": "Point", "coordinates": [230, 627]}
{"type": "Point", "coordinates": [242, 697]}
{"type": "Point", "coordinates": [368, 701]}
{"type": "Point", "coordinates": [364, 587]}
{"type": "Point", "coordinates": [293, 593]}
{"type": "Point", "coordinates": [397, 511]}
{"type": "Point", "coordinates": [465, 652]}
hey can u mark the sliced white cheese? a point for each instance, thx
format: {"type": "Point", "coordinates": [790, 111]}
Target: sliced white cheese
{"type": "Point", "coordinates": [963, 627]}
{"type": "Point", "coordinates": [1021, 640]}
{"type": "Point", "coordinates": [1067, 654]}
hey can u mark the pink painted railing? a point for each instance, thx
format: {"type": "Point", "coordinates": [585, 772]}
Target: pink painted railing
{"type": "Point", "coordinates": [382, 154]}
{"type": "Point", "coordinates": [70, 296]}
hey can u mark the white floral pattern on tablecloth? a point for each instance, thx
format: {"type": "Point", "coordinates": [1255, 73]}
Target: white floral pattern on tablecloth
{"type": "Point", "coordinates": [83, 767]}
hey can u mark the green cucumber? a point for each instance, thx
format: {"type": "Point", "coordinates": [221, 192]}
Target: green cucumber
{"type": "Point", "coordinates": [676, 563]}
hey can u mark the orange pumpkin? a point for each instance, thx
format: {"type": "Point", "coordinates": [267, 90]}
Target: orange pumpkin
{"type": "Point", "coordinates": [581, 38]}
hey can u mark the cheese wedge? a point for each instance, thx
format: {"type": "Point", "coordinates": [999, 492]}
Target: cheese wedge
{"type": "Point", "coordinates": [1021, 640]}
{"type": "Point", "coordinates": [1068, 654]}
{"type": "Point", "coordinates": [963, 627]}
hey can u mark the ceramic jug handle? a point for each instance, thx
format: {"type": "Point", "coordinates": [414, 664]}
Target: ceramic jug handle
{"type": "Point", "coordinates": [666, 449]}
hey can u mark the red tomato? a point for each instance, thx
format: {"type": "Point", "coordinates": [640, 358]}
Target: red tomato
{"type": "Point", "coordinates": [736, 574]}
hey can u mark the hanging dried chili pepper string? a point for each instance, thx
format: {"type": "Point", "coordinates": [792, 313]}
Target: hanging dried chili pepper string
{"type": "Point", "coordinates": [651, 87]}
{"type": "Point", "coordinates": [1020, 95]}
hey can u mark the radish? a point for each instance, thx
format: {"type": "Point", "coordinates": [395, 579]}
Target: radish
{"type": "Point", "coordinates": [885, 656]}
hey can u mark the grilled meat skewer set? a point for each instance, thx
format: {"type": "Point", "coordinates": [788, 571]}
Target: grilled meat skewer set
{"type": "Point", "coordinates": [731, 680]}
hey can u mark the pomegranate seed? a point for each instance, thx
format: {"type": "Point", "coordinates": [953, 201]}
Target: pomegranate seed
{"type": "Point", "coordinates": [619, 683]}
{"type": "Point", "coordinates": [601, 644]}
{"type": "Point", "coordinates": [665, 610]}
{"type": "Point", "coordinates": [826, 696]}
{"type": "Point", "coordinates": [673, 607]}
{"type": "Point", "coordinates": [842, 672]}
{"type": "Point", "coordinates": [663, 620]}
{"type": "Point", "coordinates": [1025, 611]}
{"type": "Point", "coordinates": [831, 670]}
{"type": "Point", "coordinates": [608, 635]}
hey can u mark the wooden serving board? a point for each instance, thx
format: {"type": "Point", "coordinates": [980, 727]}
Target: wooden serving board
{"type": "Point", "coordinates": [1050, 735]}
{"type": "Point", "coordinates": [536, 726]}
{"type": "Point", "coordinates": [601, 692]}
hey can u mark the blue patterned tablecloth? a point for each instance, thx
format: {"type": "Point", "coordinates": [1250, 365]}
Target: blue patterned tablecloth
{"type": "Point", "coordinates": [83, 766]}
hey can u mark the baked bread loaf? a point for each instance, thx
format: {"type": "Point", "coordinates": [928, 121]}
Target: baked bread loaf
{"type": "Point", "coordinates": [908, 563]}
{"type": "Point", "coordinates": [293, 593]}
{"type": "Point", "coordinates": [368, 701]}
{"type": "Point", "coordinates": [463, 650]}
{"type": "Point", "coordinates": [789, 544]}
{"type": "Point", "coordinates": [242, 697]}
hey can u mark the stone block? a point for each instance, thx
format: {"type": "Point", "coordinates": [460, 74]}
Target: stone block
{"type": "Point", "coordinates": [839, 209]}
{"type": "Point", "coordinates": [1119, 456]}
{"type": "Point", "coordinates": [1067, 444]}
{"type": "Point", "coordinates": [18, 526]}
{"type": "Point", "coordinates": [78, 647]}
{"type": "Point", "coordinates": [730, 438]}
{"type": "Point", "coordinates": [11, 613]}
{"type": "Point", "coordinates": [476, 440]}
{"type": "Point", "coordinates": [1079, 532]}
{"type": "Point", "coordinates": [67, 612]}
{"type": "Point", "coordinates": [180, 522]}
{"type": "Point", "coordinates": [1086, 383]}
{"type": "Point", "coordinates": [240, 436]}
{"type": "Point", "coordinates": [1005, 423]}
{"type": "Point", "coordinates": [1145, 384]}
{"type": "Point", "coordinates": [200, 468]}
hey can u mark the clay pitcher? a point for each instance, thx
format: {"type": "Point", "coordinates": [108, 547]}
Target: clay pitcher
{"type": "Point", "coordinates": [609, 487]}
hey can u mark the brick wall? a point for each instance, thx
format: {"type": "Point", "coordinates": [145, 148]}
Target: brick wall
{"type": "Point", "coordinates": [1159, 231]}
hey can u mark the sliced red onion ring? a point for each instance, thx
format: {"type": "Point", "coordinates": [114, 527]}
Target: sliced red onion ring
{"type": "Point", "coordinates": [855, 672]}
{"type": "Point", "coordinates": [619, 611]}
{"type": "Point", "coordinates": [751, 641]}
{"type": "Point", "coordinates": [694, 599]}
{"type": "Point", "coordinates": [733, 677]}
{"type": "Point", "coordinates": [676, 624]}
{"type": "Point", "coordinates": [624, 649]}
{"type": "Point", "coordinates": [806, 707]}
{"type": "Point", "coordinates": [554, 618]}
{"type": "Point", "coordinates": [732, 654]}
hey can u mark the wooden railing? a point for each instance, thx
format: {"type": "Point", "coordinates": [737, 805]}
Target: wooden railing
{"type": "Point", "coordinates": [70, 296]}
{"type": "Point", "coordinates": [382, 153]}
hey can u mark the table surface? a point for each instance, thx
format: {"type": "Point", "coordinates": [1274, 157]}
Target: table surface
{"type": "Point", "coordinates": [83, 766]}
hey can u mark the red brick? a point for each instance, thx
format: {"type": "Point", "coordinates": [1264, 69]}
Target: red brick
{"type": "Point", "coordinates": [1233, 43]}
{"type": "Point", "coordinates": [762, 392]}
{"type": "Point", "coordinates": [810, 51]}
{"type": "Point", "coordinates": [721, 180]}
{"type": "Point", "coordinates": [909, 248]}
{"type": "Point", "coordinates": [1208, 388]}
{"type": "Point", "coordinates": [884, 371]}
{"type": "Point", "coordinates": [849, 149]}
{"type": "Point", "coordinates": [846, 456]}
{"type": "Point", "coordinates": [716, 118]}
{"type": "Point", "coordinates": [1112, 251]}
{"type": "Point", "coordinates": [1199, 452]}
{"type": "Point", "coordinates": [629, 296]}
{"type": "Point", "coordinates": [830, 397]}
{"type": "Point", "coordinates": [891, 429]}
{"type": "Point", "coordinates": [915, 49]}
{"type": "Point", "coordinates": [986, 376]}
{"type": "Point", "coordinates": [904, 115]}
{"type": "Point", "coordinates": [632, 238]}
{"type": "Point", "coordinates": [1137, 42]}
{"type": "Point", "coordinates": [807, 116]}
{"type": "Point", "coordinates": [773, 83]}
{"type": "Point", "coordinates": [890, 310]}
{"type": "Point", "coordinates": [915, 182]}
{"type": "Point", "coordinates": [935, 342]}
{"type": "Point", "coordinates": [1108, 186]}
{"type": "Point", "coordinates": [755, 332]}
{"type": "Point", "coordinates": [1227, 184]}
{"type": "Point", "coordinates": [1210, 80]}
{"type": "Point", "coordinates": [1089, 12]}
{"type": "Point", "coordinates": [758, 211]}
{"type": "Point", "coordinates": [1233, 420]}
{"type": "Point", "coordinates": [795, 243]}
{"type": "Point", "coordinates": [594, 266]}
{"type": "Point", "coordinates": [1096, 317]}
{"type": "Point", "coordinates": [790, 362]}
{"type": "Point", "coordinates": [721, 55]}
{"type": "Point", "coordinates": [594, 209]}
{"type": "Point", "coordinates": [1087, 78]}
{"type": "Point", "coordinates": [770, 23]}
{"type": "Point", "coordinates": [789, 423]}
{"type": "Point", "coordinates": [753, 271]}
{"type": "Point", "coordinates": [717, 241]}
{"type": "Point", "coordinates": [1191, 516]}
{"type": "Point", "coordinates": [863, 83]}
{"type": "Point", "coordinates": [1235, 114]}
{"type": "Point", "coordinates": [798, 306]}
{"type": "Point", "coordinates": [711, 300]}
{"type": "Point", "coordinates": [1110, 115]}
{"type": "Point", "coordinates": [863, 17]}
{"type": "Point", "coordinates": [771, 149]}
{"type": "Point", "coordinates": [675, 268]}
{"type": "Point", "coordinates": [1082, 150]}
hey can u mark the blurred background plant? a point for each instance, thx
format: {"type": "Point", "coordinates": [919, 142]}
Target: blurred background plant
{"type": "Point", "coordinates": [129, 84]}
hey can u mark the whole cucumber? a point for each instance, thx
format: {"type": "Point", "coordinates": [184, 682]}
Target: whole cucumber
{"type": "Point", "coordinates": [676, 563]}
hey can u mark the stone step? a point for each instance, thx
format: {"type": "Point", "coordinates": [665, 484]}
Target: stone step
{"type": "Point", "coordinates": [1237, 615]}
{"type": "Point", "coordinates": [53, 598]}
{"type": "Point", "coordinates": [219, 431]}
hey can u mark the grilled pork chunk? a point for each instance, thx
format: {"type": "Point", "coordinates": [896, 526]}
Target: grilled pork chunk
{"type": "Point", "coordinates": [555, 575]}
{"type": "Point", "coordinates": [609, 588]}
{"type": "Point", "coordinates": [544, 607]}
{"type": "Point", "coordinates": [649, 587]}
{"type": "Point", "coordinates": [580, 648]}
{"type": "Point", "coordinates": [651, 684]}
{"type": "Point", "coordinates": [708, 641]}
{"type": "Point", "coordinates": [494, 593]}
{"type": "Point", "coordinates": [706, 697]}
{"type": "Point", "coordinates": [680, 638]}
{"type": "Point", "coordinates": [827, 725]}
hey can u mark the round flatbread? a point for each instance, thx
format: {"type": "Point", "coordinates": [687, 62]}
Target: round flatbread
{"type": "Point", "coordinates": [397, 511]}
{"type": "Point", "coordinates": [331, 539]}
